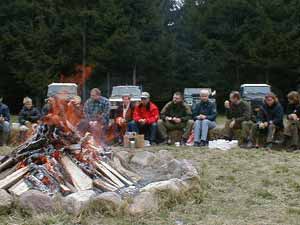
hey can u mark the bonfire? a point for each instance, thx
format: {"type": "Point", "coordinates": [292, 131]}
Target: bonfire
{"type": "Point", "coordinates": [56, 158]}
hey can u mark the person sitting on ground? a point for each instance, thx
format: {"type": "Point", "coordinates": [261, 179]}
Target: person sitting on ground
{"type": "Point", "coordinates": [204, 114]}
{"type": "Point", "coordinates": [270, 120]}
{"type": "Point", "coordinates": [293, 116]}
{"type": "Point", "coordinates": [124, 115]}
{"type": "Point", "coordinates": [29, 114]}
{"type": "Point", "coordinates": [145, 117]}
{"type": "Point", "coordinates": [4, 123]}
{"type": "Point", "coordinates": [238, 115]}
{"type": "Point", "coordinates": [176, 115]}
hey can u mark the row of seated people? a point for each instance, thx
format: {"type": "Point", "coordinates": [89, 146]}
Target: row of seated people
{"type": "Point", "coordinates": [144, 118]}
{"type": "Point", "coordinates": [258, 127]}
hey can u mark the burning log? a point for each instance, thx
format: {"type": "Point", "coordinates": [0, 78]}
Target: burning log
{"type": "Point", "coordinates": [80, 180]}
{"type": "Point", "coordinates": [104, 186]}
{"type": "Point", "coordinates": [13, 178]}
{"type": "Point", "coordinates": [8, 172]}
{"type": "Point", "coordinates": [7, 164]}
{"type": "Point", "coordinates": [19, 188]}
{"type": "Point", "coordinates": [118, 165]}
{"type": "Point", "coordinates": [65, 190]}
{"type": "Point", "coordinates": [109, 174]}
{"type": "Point", "coordinates": [116, 173]}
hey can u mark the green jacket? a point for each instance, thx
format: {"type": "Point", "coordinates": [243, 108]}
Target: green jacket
{"type": "Point", "coordinates": [240, 113]}
{"type": "Point", "coordinates": [182, 111]}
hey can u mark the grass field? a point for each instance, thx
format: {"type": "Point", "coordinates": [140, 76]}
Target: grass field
{"type": "Point", "coordinates": [250, 187]}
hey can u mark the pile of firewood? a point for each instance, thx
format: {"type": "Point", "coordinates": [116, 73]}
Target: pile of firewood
{"type": "Point", "coordinates": [55, 161]}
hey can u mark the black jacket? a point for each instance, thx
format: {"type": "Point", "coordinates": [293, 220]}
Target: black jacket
{"type": "Point", "coordinates": [274, 114]}
{"type": "Point", "coordinates": [240, 112]}
{"type": "Point", "coordinates": [205, 108]}
{"type": "Point", "coordinates": [32, 115]}
{"type": "Point", "coordinates": [293, 109]}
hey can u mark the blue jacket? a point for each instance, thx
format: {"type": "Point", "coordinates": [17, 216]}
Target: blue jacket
{"type": "Point", "coordinates": [4, 111]}
{"type": "Point", "coordinates": [32, 115]}
{"type": "Point", "coordinates": [206, 108]}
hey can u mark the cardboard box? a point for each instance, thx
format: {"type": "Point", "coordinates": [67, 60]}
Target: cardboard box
{"type": "Point", "coordinates": [137, 138]}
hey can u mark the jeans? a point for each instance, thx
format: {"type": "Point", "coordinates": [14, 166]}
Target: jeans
{"type": "Point", "coordinates": [201, 129]}
{"type": "Point", "coordinates": [149, 130]}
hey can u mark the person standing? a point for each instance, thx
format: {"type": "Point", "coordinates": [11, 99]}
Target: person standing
{"type": "Point", "coordinates": [204, 114]}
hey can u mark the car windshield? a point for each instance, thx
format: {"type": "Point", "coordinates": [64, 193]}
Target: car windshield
{"type": "Point", "coordinates": [194, 91]}
{"type": "Point", "coordinates": [133, 91]}
{"type": "Point", "coordinates": [256, 90]}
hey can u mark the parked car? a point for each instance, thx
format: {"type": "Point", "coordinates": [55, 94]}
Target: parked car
{"type": "Point", "coordinates": [118, 91]}
{"type": "Point", "coordinates": [62, 90]}
{"type": "Point", "coordinates": [254, 93]}
{"type": "Point", "coordinates": [192, 95]}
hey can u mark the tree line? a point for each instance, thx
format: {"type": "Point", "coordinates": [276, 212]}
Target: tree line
{"type": "Point", "coordinates": [165, 45]}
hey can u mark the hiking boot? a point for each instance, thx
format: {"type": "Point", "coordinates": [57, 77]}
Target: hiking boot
{"type": "Point", "coordinates": [196, 144]}
{"type": "Point", "coordinates": [183, 142]}
{"type": "Point", "coordinates": [203, 143]}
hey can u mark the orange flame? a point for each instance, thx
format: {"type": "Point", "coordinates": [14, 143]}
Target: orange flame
{"type": "Point", "coordinates": [63, 114]}
{"type": "Point", "coordinates": [80, 75]}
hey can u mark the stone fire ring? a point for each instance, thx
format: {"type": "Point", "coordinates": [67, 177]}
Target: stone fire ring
{"type": "Point", "coordinates": [159, 171]}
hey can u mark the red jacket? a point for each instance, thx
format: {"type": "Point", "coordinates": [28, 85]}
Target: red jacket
{"type": "Point", "coordinates": [141, 112]}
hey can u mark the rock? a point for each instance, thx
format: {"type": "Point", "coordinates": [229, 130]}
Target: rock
{"type": "Point", "coordinates": [174, 168]}
{"type": "Point", "coordinates": [188, 169]}
{"type": "Point", "coordinates": [36, 201]}
{"type": "Point", "coordinates": [163, 156]}
{"type": "Point", "coordinates": [143, 159]}
{"type": "Point", "coordinates": [124, 156]}
{"type": "Point", "coordinates": [6, 202]}
{"type": "Point", "coordinates": [174, 185]}
{"type": "Point", "coordinates": [190, 174]}
{"type": "Point", "coordinates": [75, 203]}
{"type": "Point", "coordinates": [144, 202]}
{"type": "Point", "coordinates": [110, 200]}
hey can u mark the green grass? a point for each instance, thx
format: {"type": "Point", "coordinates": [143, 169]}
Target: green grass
{"type": "Point", "coordinates": [238, 187]}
